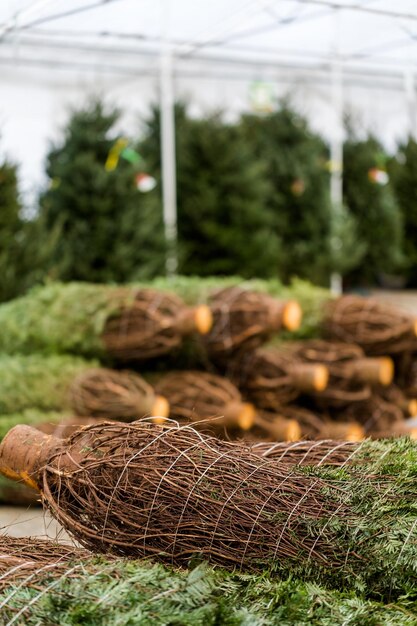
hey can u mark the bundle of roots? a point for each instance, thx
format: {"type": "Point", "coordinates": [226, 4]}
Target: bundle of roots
{"type": "Point", "coordinates": [323, 452]}
{"type": "Point", "coordinates": [271, 377]}
{"type": "Point", "coordinates": [378, 328]}
{"type": "Point", "coordinates": [378, 417]}
{"type": "Point", "coordinates": [351, 375]}
{"type": "Point", "coordinates": [29, 559]}
{"type": "Point", "coordinates": [198, 396]}
{"type": "Point", "coordinates": [147, 490]}
{"type": "Point", "coordinates": [313, 425]}
{"type": "Point", "coordinates": [243, 320]}
{"type": "Point", "coordinates": [128, 324]}
{"type": "Point", "coordinates": [111, 394]}
{"type": "Point", "coordinates": [152, 324]}
{"type": "Point", "coordinates": [67, 383]}
{"type": "Point", "coordinates": [171, 492]}
{"type": "Point", "coordinates": [51, 584]}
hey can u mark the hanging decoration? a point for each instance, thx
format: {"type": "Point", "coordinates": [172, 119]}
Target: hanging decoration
{"type": "Point", "coordinates": [298, 187]}
{"type": "Point", "coordinates": [121, 150]}
{"type": "Point", "coordinates": [378, 176]}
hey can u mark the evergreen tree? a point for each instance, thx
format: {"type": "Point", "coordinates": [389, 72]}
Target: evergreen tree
{"type": "Point", "coordinates": [370, 199]}
{"type": "Point", "coordinates": [299, 195]}
{"type": "Point", "coordinates": [11, 231]}
{"type": "Point", "coordinates": [403, 174]}
{"type": "Point", "coordinates": [107, 229]}
{"type": "Point", "coordinates": [224, 224]}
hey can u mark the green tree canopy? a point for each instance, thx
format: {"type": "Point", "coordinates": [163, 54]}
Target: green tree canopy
{"type": "Point", "coordinates": [403, 174]}
{"type": "Point", "coordinates": [224, 223]}
{"type": "Point", "coordinates": [298, 196]}
{"type": "Point", "coordinates": [107, 229]}
{"type": "Point", "coordinates": [370, 198]}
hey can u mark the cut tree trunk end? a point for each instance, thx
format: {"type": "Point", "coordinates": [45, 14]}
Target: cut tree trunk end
{"type": "Point", "coordinates": [23, 453]}
{"type": "Point", "coordinates": [309, 377]}
{"type": "Point", "coordinates": [377, 371]}
{"type": "Point", "coordinates": [342, 431]}
{"type": "Point", "coordinates": [278, 427]}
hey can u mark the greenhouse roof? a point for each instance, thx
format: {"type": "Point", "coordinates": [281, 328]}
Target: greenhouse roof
{"type": "Point", "coordinates": [377, 36]}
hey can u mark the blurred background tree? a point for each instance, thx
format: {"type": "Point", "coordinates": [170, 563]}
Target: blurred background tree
{"type": "Point", "coordinates": [108, 230]}
{"type": "Point", "coordinates": [371, 200]}
{"type": "Point", "coordinates": [298, 195]}
{"type": "Point", "coordinates": [225, 225]}
{"type": "Point", "coordinates": [403, 174]}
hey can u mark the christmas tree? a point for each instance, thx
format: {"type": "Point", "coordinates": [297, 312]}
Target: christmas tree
{"type": "Point", "coordinates": [107, 229]}
{"type": "Point", "coordinates": [403, 174]}
{"type": "Point", "coordinates": [299, 194]}
{"type": "Point", "coordinates": [224, 223]}
{"type": "Point", "coordinates": [10, 231]}
{"type": "Point", "coordinates": [369, 197]}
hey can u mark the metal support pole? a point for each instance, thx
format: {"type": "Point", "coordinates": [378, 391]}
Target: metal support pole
{"type": "Point", "coordinates": [410, 94]}
{"type": "Point", "coordinates": [167, 112]}
{"type": "Point", "coordinates": [336, 148]}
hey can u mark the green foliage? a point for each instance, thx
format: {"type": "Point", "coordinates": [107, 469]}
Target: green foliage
{"type": "Point", "coordinates": [403, 174]}
{"type": "Point", "coordinates": [20, 256]}
{"type": "Point", "coordinates": [30, 417]}
{"type": "Point", "coordinates": [70, 318]}
{"type": "Point", "coordinates": [103, 593]}
{"type": "Point", "coordinates": [375, 208]}
{"type": "Point", "coordinates": [194, 290]}
{"type": "Point", "coordinates": [107, 230]}
{"type": "Point", "coordinates": [39, 382]}
{"type": "Point", "coordinates": [224, 223]}
{"type": "Point", "coordinates": [299, 195]}
{"type": "Point", "coordinates": [58, 318]}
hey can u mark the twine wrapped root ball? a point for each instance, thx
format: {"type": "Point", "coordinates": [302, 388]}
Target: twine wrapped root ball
{"type": "Point", "coordinates": [111, 394]}
{"type": "Point", "coordinates": [127, 324]}
{"type": "Point", "coordinates": [270, 377]}
{"type": "Point", "coordinates": [197, 396]}
{"type": "Point", "coordinates": [273, 427]}
{"type": "Point", "coordinates": [352, 375]}
{"type": "Point", "coordinates": [323, 452]}
{"type": "Point", "coordinates": [322, 426]}
{"type": "Point", "coordinates": [244, 319]}
{"type": "Point", "coordinates": [376, 416]}
{"type": "Point", "coordinates": [153, 324]}
{"type": "Point", "coordinates": [172, 493]}
{"type": "Point", "coordinates": [378, 328]}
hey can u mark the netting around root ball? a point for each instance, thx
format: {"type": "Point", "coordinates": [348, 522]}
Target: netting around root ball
{"type": "Point", "coordinates": [111, 394]}
{"type": "Point", "coordinates": [376, 415]}
{"type": "Point", "coordinates": [320, 453]}
{"type": "Point", "coordinates": [195, 396]}
{"type": "Point", "coordinates": [378, 328]}
{"type": "Point", "coordinates": [28, 559]}
{"type": "Point", "coordinates": [142, 489]}
{"type": "Point", "coordinates": [313, 425]}
{"type": "Point", "coordinates": [153, 323]}
{"type": "Point", "coordinates": [352, 376]}
{"type": "Point", "coordinates": [244, 319]}
{"type": "Point", "coordinates": [271, 377]}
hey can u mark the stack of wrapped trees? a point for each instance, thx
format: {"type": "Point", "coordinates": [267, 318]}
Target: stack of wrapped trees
{"type": "Point", "coordinates": [249, 511]}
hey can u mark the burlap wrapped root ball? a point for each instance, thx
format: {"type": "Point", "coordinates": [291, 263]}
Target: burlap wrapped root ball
{"type": "Point", "coordinates": [124, 323]}
{"type": "Point", "coordinates": [173, 493]}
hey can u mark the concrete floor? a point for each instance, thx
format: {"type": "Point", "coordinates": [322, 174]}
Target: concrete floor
{"type": "Point", "coordinates": [32, 521]}
{"type": "Point", "coordinates": [29, 521]}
